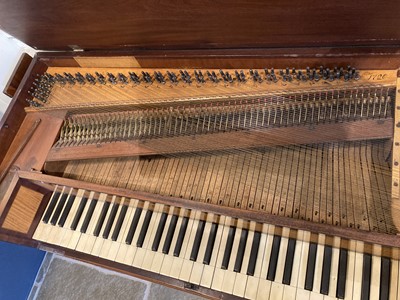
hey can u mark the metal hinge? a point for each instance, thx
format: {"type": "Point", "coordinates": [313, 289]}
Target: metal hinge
{"type": "Point", "coordinates": [76, 48]}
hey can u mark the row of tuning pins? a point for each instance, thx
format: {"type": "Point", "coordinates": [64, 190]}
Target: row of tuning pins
{"type": "Point", "coordinates": [43, 84]}
{"type": "Point", "coordinates": [323, 73]}
{"type": "Point", "coordinates": [271, 75]}
{"type": "Point", "coordinates": [40, 89]}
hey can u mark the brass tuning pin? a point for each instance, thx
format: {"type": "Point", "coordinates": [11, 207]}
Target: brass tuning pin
{"type": "Point", "coordinates": [134, 78]}
{"type": "Point", "coordinates": [172, 77]}
{"type": "Point", "coordinates": [122, 79]}
{"type": "Point", "coordinates": [185, 76]}
{"type": "Point", "coordinates": [100, 78]}
{"type": "Point", "coordinates": [111, 78]}
{"type": "Point", "coordinates": [199, 77]}
{"type": "Point", "coordinates": [159, 77]}
{"type": "Point", "coordinates": [89, 77]}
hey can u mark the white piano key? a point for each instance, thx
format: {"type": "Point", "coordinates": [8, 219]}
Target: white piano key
{"type": "Point", "coordinates": [375, 277]}
{"type": "Point", "coordinates": [87, 239]}
{"type": "Point", "coordinates": [316, 295]}
{"type": "Point", "coordinates": [159, 255]}
{"type": "Point", "coordinates": [303, 261]}
{"type": "Point", "coordinates": [218, 275]}
{"type": "Point", "coordinates": [107, 251]}
{"type": "Point", "coordinates": [302, 294]}
{"type": "Point", "coordinates": [264, 289]}
{"type": "Point", "coordinates": [351, 259]}
{"type": "Point", "coordinates": [252, 281]}
{"type": "Point", "coordinates": [61, 230]}
{"type": "Point", "coordinates": [43, 229]}
{"type": "Point", "coordinates": [80, 246]}
{"type": "Point", "coordinates": [208, 271]}
{"type": "Point", "coordinates": [239, 288]}
{"type": "Point", "coordinates": [77, 232]}
{"type": "Point", "coordinates": [54, 233]}
{"type": "Point", "coordinates": [131, 249]}
{"type": "Point", "coordinates": [297, 259]}
{"type": "Point", "coordinates": [229, 274]}
{"type": "Point", "coordinates": [198, 266]}
{"type": "Point", "coordinates": [318, 264]}
{"type": "Point", "coordinates": [334, 267]}
{"type": "Point", "coordinates": [148, 258]}
{"type": "Point", "coordinates": [264, 285]}
{"type": "Point", "coordinates": [357, 272]}
{"type": "Point", "coordinates": [394, 279]}
{"type": "Point", "coordinates": [187, 264]}
{"type": "Point", "coordinates": [67, 231]}
{"type": "Point", "coordinates": [141, 251]}
{"type": "Point", "coordinates": [276, 292]}
{"type": "Point", "coordinates": [289, 292]}
{"type": "Point", "coordinates": [98, 244]}
{"type": "Point", "coordinates": [122, 248]}
{"type": "Point", "coordinates": [280, 267]}
{"type": "Point", "coordinates": [168, 260]}
{"type": "Point", "coordinates": [247, 251]}
{"type": "Point", "coordinates": [178, 261]}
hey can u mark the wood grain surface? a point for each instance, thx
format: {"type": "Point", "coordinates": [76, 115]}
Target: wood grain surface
{"type": "Point", "coordinates": [55, 25]}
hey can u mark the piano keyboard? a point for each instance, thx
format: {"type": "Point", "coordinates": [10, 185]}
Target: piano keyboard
{"type": "Point", "coordinates": [246, 259]}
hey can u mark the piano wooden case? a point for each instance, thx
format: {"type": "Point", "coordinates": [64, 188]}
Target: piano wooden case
{"type": "Point", "coordinates": [230, 149]}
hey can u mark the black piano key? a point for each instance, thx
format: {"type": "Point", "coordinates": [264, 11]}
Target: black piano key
{"type": "Point", "coordinates": [210, 244]}
{"type": "Point", "coordinates": [242, 246]}
{"type": "Point", "coordinates": [312, 255]}
{"type": "Point", "coordinates": [366, 277]}
{"type": "Point", "coordinates": [342, 272]}
{"type": "Point", "coordinates": [145, 227]}
{"type": "Point", "coordinates": [110, 221]}
{"type": "Point", "coordinates": [228, 248]}
{"type": "Point", "coordinates": [197, 240]}
{"type": "Point", "coordinates": [101, 219]}
{"type": "Point", "coordinates": [89, 215]}
{"type": "Point", "coordinates": [254, 253]}
{"type": "Point", "coordinates": [287, 272]}
{"type": "Point", "coordinates": [160, 230]}
{"type": "Point", "coordinates": [326, 270]}
{"type": "Point", "coordinates": [133, 226]}
{"type": "Point", "coordinates": [79, 212]}
{"type": "Point", "coordinates": [120, 220]}
{"type": "Point", "coordinates": [59, 209]}
{"type": "Point", "coordinates": [66, 211]}
{"type": "Point", "coordinates": [51, 207]}
{"type": "Point", "coordinates": [181, 236]}
{"type": "Point", "coordinates": [170, 234]}
{"type": "Point", "coordinates": [274, 258]}
{"type": "Point", "coordinates": [385, 279]}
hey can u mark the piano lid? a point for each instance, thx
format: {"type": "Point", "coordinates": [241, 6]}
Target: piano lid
{"type": "Point", "coordinates": [149, 24]}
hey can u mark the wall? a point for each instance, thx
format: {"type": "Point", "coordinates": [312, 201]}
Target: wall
{"type": "Point", "coordinates": [10, 53]}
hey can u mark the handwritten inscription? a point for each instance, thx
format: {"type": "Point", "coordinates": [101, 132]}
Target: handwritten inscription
{"type": "Point", "coordinates": [376, 77]}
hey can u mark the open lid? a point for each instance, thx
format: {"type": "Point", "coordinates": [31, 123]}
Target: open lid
{"type": "Point", "coordinates": [149, 24]}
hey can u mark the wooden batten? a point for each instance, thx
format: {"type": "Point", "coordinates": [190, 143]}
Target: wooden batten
{"type": "Point", "coordinates": [26, 152]}
{"type": "Point", "coordinates": [329, 132]}
{"type": "Point", "coordinates": [396, 160]}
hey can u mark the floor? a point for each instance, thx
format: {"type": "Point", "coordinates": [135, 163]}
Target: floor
{"type": "Point", "coordinates": [61, 278]}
